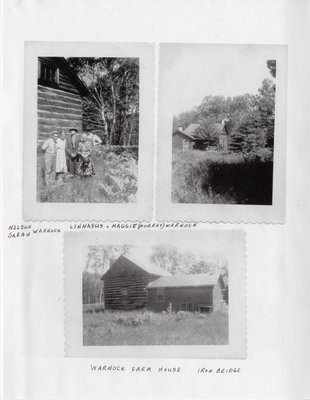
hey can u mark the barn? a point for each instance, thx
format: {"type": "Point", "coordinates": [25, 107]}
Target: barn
{"type": "Point", "coordinates": [60, 93]}
{"type": "Point", "coordinates": [193, 292]}
{"type": "Point", "coordinates": [184, 140]}
{"type": "Point", "coordinates": [125, 283]}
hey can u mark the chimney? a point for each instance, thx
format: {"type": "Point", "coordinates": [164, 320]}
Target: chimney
{"type": "Point", "coordinates": [180, 128]}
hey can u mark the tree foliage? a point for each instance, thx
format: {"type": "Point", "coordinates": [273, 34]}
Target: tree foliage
{"type": "Point", "coordinates": [249, 118]}
{"type": "Point", "coordinates": [112, 106]}
{"type": "Point", "coordinates": [177, 261]}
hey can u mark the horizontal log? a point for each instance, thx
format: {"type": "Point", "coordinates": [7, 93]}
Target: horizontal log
{"type": "Point", "coordinates": [59, 115]}
{"type": "Point", "coordinates": [131, 290]}
{"type": "Point", "coordinates": [125, 279]}
{"type": "Point", "coordinates": [58, 121]}
{"type": "Point", "coordinates": [58, 103]}
{"type": "Point", "coordinates": [70, 88]}
{"type": "Point", "coordinates": [61, 109]}
{"type": "Point", "coordinates": [51, 92]}
{"type": "Point", "coordinates": [48, 129]}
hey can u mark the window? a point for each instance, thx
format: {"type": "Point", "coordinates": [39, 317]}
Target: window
{"type": "Point", "coordinates": [160, 295]}
{"type": "Point", "coordinates": [48, 74]}
{"type": "Point", "coordinates": [187, 307]}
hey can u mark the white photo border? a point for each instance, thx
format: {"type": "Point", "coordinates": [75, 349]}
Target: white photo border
{"type": "Point", "coordinates": [75, 250]}
{"type": "Point", "coordinates": [140, 210]}
{"type": "Point", "coordinates": [165, 209]}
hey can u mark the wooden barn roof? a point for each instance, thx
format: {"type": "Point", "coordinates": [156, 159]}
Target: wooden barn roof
{"type": "Point", "coordinates": [63, 63]}
{"type": "Point", "coordinates": [190, 130]}
{"type": "Point", "coordinates": [148, 266]}
{"type": "Point", "coordinates": [144, 264]}
{"type": "Point", "coordinates": [185, 280]}
{"type": "Point", "coordinates": [183, 135]}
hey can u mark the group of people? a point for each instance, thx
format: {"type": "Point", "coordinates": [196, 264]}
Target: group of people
{"type": "Point", "coordinates": [69, 154]}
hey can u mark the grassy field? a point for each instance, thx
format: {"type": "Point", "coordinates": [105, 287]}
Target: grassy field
{"type": "Point", "coordinates": [137, 328]}
{"type": "Point", "coordinates": [115, 181]}
{"type": "Point", "coordinates": [203, 177]}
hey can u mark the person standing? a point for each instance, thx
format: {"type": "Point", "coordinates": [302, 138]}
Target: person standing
{"type": "Point", "coordinates": [49, 148]}
{"type": "Point", "coordinates": [70, 152]}
{"type": "Point", "coordinates": [84, 161]}
{"type": "Point", "coordinates": [61, 160]}
{"type": "Point", "coordinates": [94, 139]}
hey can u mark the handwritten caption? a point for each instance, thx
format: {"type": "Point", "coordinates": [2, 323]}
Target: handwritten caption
{"type": "Point", "coordinates": [162, 370]}
{"type": "Point", "coordinates": [29, 230]}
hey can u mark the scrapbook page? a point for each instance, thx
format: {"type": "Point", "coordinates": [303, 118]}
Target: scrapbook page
{"type": "Point", "coordinates": [155, 179]}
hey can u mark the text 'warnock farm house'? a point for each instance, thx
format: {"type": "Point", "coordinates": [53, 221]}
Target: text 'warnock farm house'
{"type": "Point", "coordinates": [131, 284]}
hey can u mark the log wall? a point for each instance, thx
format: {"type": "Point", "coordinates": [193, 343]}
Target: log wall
{"type": "Point", "coordinates": [57, 110]}
{"type": "Point", "coordinates": [137, 293]}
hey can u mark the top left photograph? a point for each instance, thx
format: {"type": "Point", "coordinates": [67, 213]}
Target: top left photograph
{"type": "Point", "coordinates": [88, 131]}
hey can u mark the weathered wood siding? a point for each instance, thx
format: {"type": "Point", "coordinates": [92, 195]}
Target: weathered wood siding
{"type": "Point", "coordinates": [137, 293]}
{"type": "Point", "coordinates": [177, 143]}
{"type": "Point", "coordinates": [126, 276]}
{"type": "Point", "coordinates": [201, 295]}
{"type": "Point", "coordinates": [59, 104]}
{"type": "Point", "coordinates": [58, 110]}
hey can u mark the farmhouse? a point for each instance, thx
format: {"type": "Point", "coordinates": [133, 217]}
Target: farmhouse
{"type": "Point", "coordinates": [194, 292]}
{"type": "Point", "coordinates": [125, 283]}
{"type": "Point", "coordinates": [184, 140]}
{"type": "Point", "coordinates": [60, 93]}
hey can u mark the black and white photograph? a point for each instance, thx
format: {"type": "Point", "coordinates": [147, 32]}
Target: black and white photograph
{"type": "Point", "coordinates": [88, 129]}
{"type": "Point", "coordinates": [222, 137]}
{"type": "Point", "coordinates": [157, 295]}
{"type": "Point", "coordinates": [155, 289]}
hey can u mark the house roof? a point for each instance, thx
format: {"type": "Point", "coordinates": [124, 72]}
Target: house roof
{"type": "Point", "coordinates": [148, 266]}
{"type": "Point", "coordinates": [190, 130]}
{"type": "Point", "coordinates": [185, 280]}
{"type": "Point", "coordinates": [183, 135]}
{"type": "Point", "coordinates": [144, 264]}
{"type": "Point", "coordinates": [66, 66]}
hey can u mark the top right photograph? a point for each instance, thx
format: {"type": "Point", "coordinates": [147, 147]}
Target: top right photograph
{"type": "Point", "coordinates": [222, 119]}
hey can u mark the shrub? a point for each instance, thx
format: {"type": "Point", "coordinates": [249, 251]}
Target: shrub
{"type": "Point", "coordinates": [182, 315]}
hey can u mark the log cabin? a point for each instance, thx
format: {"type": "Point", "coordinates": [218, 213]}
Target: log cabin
{"type": "Point", "coordinates": [60, 93]}
{"type": "Point", "coordinates": [125, 283]}
{"type": "Point", "coordinates": [193, 292]}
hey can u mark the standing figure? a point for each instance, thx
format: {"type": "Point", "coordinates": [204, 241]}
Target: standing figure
{"type": "Point", "coordinates": [61, 160]}
{"type": "Point", "coordinates": [84, 161]}
{"type": "Point", "coordinates": [49, 148]}
{"type": "Point", "coordinates": [70, 152]}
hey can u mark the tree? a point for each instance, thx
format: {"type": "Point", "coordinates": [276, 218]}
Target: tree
{"type": "Point", "coordinates": [113, 102]}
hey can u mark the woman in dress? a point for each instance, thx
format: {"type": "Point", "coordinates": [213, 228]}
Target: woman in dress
{"type": "Point", "coordinates": [61, 160]}
{"type": "Point", "coordinates": [84, 161]}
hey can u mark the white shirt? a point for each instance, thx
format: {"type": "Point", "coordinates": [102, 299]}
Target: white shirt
{"type": "Point", "coordinates": [49, 146]}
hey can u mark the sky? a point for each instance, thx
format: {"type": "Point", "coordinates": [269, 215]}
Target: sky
{"type": "Point", "coordinates": [191, 72]}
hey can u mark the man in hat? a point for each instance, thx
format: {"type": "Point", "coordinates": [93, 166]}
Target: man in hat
{"type": "Point", "coordinates": [70, 151]}
{"type": "Point", "coordinates": [49, 148]}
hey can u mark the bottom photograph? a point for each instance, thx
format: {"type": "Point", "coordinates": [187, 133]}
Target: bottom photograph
{"type": "Point", "coordinates": [182, 289]}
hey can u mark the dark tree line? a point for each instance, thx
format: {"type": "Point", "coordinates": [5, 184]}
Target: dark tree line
{"type": "Point", "coordinates": [112, 107]}
{"type": "Point", "coordinates": [249, 118]}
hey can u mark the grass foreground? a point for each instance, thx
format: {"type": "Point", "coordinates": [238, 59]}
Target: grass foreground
{"type": "Point", "coordinates": [115, 181]}
{"type": "Point", "coordinates": [148, 328]}
{"type": "Point", "coordinates": [215, 178]}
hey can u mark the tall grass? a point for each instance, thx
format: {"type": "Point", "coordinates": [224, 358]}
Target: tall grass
{"type": "Point", "coordinates": [137, 328]}
{"type": "Point", "coordinates": [203, 177]}
{"type": "Point", "coordinates": [115, 180]}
